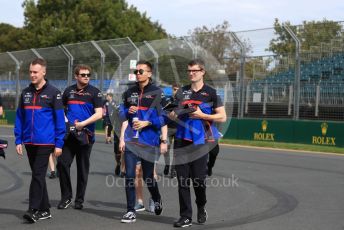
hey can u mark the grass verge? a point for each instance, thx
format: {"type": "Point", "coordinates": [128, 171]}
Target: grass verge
{"type": "Point", "coordinates": [282, 145]}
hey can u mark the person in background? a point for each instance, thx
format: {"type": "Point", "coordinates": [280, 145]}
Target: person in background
{"type": "Point", "coordinates": [114, 115]}
{"type": "Point", "coordinates": [198, 108]}
{"type": "Point", "coordinates": [53, 173]}
{"type": "Point", "coordinates": [83, 104]}
{"type": "Point", "coordinates": [1, 109]}
{"type": "Point", "coordinates": [108, 109]}
{"type": "Point", "coordinates": [172, 128]}
{"type": "Point", "coordinates": [40, 127]}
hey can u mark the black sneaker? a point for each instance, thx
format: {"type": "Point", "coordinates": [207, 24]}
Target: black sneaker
{"type": "Point", "coordinates": [202, 215]}
{"type": "Point", "coordinates": [52, 175]}
{"type": "Point", "coordinates": [129, 217]}
{"type": "Point", "coordinates": [42, 215]}
{"type": "Point", "coordinates": [64, 204]}
{"type": "Point", "coordinates": [166, 169]}
{"type": "Point", "coordinates": [31, 216]}
{"type": "Point", "coordinates": [158, 207]}
{"type": "Point", "coordinates": [183, 222]}
{"type": "Point", "coordinates": [78, 205]}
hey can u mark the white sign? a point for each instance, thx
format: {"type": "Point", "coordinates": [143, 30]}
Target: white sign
{"type": "Point", "coordinates": [133, 64]}
{"type": "Point", "coordinates": [132, 77]}
{"type": "Point", "coordinates": [257, 97]}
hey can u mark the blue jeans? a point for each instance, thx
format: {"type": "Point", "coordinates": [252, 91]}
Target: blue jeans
{"type": "Point", "coordinates": [146, 154]}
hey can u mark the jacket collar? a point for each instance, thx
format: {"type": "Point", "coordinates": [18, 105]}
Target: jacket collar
{"type": "Point", "coordinates": [43, 87]}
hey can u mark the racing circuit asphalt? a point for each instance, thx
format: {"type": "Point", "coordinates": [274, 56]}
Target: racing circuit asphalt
{"type": "Point", "coordinates": [251, 189]}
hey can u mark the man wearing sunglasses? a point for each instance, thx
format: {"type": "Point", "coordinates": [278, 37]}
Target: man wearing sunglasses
{"type": "Point", "coordinates": [83, 107]}
{"type": "Point", "coordinates": [198, 108]}
{"type": "Point", "coordinates": [142, 109]}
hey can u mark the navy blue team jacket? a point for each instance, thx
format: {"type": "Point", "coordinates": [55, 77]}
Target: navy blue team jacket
{"type": "Point", "coordinates": [196, 130]}
{"type": "Point", "coordinates": [80, 104]}
{"type": "Point", "coordinates": [40, 117]}
{"type": "Point", "coordinates": [148, 102]}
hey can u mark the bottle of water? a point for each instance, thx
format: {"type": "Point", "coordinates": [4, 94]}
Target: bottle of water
{"type": "Point", "coordinates": [136, 132]}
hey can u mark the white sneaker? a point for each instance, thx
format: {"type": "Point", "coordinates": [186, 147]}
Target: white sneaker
{"type": "Point", "coordinates": [151, 205]}
{"type": "Point", "coordinates": [129, 217]}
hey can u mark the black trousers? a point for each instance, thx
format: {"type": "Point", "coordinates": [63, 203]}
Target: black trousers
{"type": "Point", "coordinates": [82, 154]}
{"type": "Point", "coordinates": [214, 150]}
{"type": "Point", "coordinates": [109, 130]}
{"type": "Point", "coordinates": [38, 159]}
{"type": "Point", "coordinates": [190, 171]}
{"type": "Point", "coordinates": [116, 148]}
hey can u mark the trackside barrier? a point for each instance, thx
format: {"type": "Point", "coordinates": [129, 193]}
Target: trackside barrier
{"type": "Point", "coordinates": [272, 130]}
{"type": "Point", "coordinates": [304, 132]}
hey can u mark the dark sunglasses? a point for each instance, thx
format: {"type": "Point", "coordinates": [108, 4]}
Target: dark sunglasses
{"type": "Point", "coordinates": [194, 70]}
{"type": "Point", "coordinates": [140, 71]}
{"type": "Point", "coordinates": [85, 74]}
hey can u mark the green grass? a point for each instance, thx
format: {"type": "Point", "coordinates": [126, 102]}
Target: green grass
{"type": "Point", "coordinates": [282, 145]}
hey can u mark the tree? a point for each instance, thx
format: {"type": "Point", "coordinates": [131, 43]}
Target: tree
{"type": "Point", "coordinates": [11, 38]}
{"type": "Point", "coordinates": [219, 42]}
{"type": "Point", "coordinates": [312, 33]}
{"type": "Point", "coordinates": [55, 22]}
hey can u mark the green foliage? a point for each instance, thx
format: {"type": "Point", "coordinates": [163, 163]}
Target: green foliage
{"type": "Point", "coordinates": [54, 22]}
{"type": "Point", "coordinates": [11, 38]}
{"type": "Point", "coordinates": [311, 33]}
{"type": "Point", "coordinates": [219, 42]}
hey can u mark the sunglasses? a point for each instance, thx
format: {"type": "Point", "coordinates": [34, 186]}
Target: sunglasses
{"type": "Point", "coordinates": [140, 71]}
{"type": "Point", "coordinates": [194, 70]}
{"type": "Point", "coordinates": [85, 74]}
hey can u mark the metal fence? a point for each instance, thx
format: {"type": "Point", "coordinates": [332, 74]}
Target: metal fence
{"type": "Point", "coordinates": [253, 81]}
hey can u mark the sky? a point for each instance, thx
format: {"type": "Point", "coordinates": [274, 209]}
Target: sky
{"type": "Point", "coordinates": [179, 17]}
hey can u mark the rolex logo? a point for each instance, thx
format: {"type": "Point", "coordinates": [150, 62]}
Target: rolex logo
{"type": "Point", "coordinates": [324, 127]}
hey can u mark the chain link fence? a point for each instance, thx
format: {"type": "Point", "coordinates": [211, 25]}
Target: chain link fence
{"type": "Point", "coordinates": [254, 79]}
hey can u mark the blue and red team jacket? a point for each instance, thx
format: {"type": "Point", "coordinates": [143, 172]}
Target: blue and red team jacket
{"type": "Point", "coordinates": [148, 102]}
{"type": "Point", "coordinates": [40, 117]}
{"type": "Point", "coordinates": [80, 104]}
{"type": "Point", "coordinates": [197, 131]}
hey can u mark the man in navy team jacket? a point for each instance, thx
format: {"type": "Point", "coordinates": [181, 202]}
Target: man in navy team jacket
{"type": "Point", "coordinates": [40, 127]}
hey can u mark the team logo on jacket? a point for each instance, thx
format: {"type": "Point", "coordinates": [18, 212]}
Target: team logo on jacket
{"type": "Point", "coordinates": [149, 96]}
{"type": "Point", "coordinates": [133, 99]}
{"type": "Point", "coordinates": [205, 94]}
{"type": "Point", "coordinates": [44, 96]}
{"type": "Point", "coordinates": [27, 98]}
{"type": "Point", "coordinates": [187, 94]}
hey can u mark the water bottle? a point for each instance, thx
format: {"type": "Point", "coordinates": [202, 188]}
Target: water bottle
{"type": "Point", "coordinates": [136, 132]}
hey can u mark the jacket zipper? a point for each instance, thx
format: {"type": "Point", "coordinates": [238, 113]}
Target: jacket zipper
{"type": "Point", "coordinates": [32, 116]}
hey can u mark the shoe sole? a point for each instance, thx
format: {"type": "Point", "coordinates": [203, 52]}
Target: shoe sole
{"type": "Point", "coordinates": [128, 221]}
{"type": "Point", "coordinates": [46, 217]}
{"type": "Point", "coordinates": [183, 226]}
{"type": "Point", "coordinates": [140, 209]}
{"type": "Point", "coordinates": [29, 219]}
